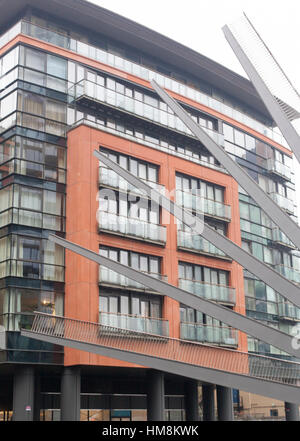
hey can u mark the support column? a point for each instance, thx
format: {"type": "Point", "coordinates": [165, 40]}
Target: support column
{"type": "Point", "coordinates": [70, 394]}
{"type": "Point", "coordinates": [208, 400]}
{"type": "Point", "coordinates": [37, 398]}
{"type": "Point", "coordinates": [225, 403]}
{"type": "Point", "coordinates": [291, 411]}
{"type": "Point", "coordinates": [155, 396]}
{"type": "Point", "coordinates": [191, 401]}
{"type": "Point", "coordinates": [23, 394]}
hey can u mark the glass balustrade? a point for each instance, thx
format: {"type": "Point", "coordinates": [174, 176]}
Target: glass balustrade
{"type": "Point", "coordinates": [290, 273]}
{"type": "Point", "coordinates": [86, 89]}
{"type": "Point", "coordinates": [136, 228]}
{"type": "Point", "coordinates": [118, 62]}
{"type": "Point", "coordinates": [111, 179]}
{"type": "Point", "coordinates": [283, 202]}
{"type": "Point", "coordinates": [219, 335]}
{"type": "Point", "coordinates": [150, 325]}
{"type": "Point", "coordinates": [289, 311]}
{"type": "Point", "coordinates": [198, 203]}
{"type": "Point", "coordinates": [32, 270]}
{"type": "Point", "coordinates": [209, 291]}
{"type": "Point", "coordinates": [195, 242]}
{"type": "Point", "coordinates": [279, 237]}
{"type": "Point", "coordinates": [112, 278]}
{"type": "Point", "coordinates": [278, 168]}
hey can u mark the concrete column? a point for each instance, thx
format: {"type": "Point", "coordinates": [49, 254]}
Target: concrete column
{"type": "Point", "coordinates": [155, 396]}
{"type": "Point", "coordinates": [191, 401]}
{"type": "Point", "coordinates": [23, 394]}
{"type": "Point", "coordinates": [208, 400]}
{"type": "Point", "coordinates": [225, 403]}
{"type": "Point", "coordinates": [37, 398]}
{"type": "Point", "coordinates": [70, 394]}
{"type": "Point", "coordinates": [291, 411]}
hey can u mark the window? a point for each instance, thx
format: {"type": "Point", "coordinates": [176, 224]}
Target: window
{"type": "Point", "coordinates": [203, 274]}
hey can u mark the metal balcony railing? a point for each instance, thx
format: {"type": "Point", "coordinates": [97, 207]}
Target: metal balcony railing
{"type": "Point", "coordinates": [209, 291]}
{"type": "Point", "coordinates": [288, 311]}
{"type": "Point", "coordinates": [283, 202]}
{"type": "Point", "coordinates": [111, 179]}
{"type": "Point", "coordinates": [278, 168]}
{"type": "Point", "coordinates": [132, 227]}
{"type": "Point", "coordinates": [151, 325]}
{"type": "Point", "coordinates": [280, 238]}
{"type": "Point", "coordinates": [195, 242]}
{"type": "Point", "coordinates": [208, 207]}
{"type": "Point", "coordinates": [194, 354]}
{"type": "Point", "coordinates": [108, 277]}
{"type": "Point", "coordinates": [289, 272]}
{"type": "Point", "coordinates": [219, 335]}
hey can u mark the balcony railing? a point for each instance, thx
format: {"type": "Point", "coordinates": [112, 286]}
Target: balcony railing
{"type": "Point", "coordinates": [87, 90]}
{"type": "Point", "coordinates": [209, 291]}
{"type": "Point", "coordinates": [108, 277]}
{"type": "Point", "coordinates": [219, 335]}
{"type": "Point", "coordinates": [196, 243]}
{"type": "Point", "coordinates": [289, 311]}
{"type": "Point", "coordinates": [198, 203]}
{"type": "Point", "coordinates": [31, 270]}
{"type": "Point", "coordinates": [137, 323]}
{"type": "Point", "coordinates": [135, 228]}
{"type": "Point", "coordinates": [283, 202]}
{"type": "Point", "coordinates": [111, 179]}
{"type": "Point", "coordinates": [280, 238]}
{"type": "Point", "coordinates": [290, 273]}
{"type": "Point", "coordinates": [279, 168]}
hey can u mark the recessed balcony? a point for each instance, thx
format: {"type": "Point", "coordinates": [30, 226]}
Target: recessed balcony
{"type": "Point", "coordinates": [279, 169]}
{"type": "Point", "coordinates": [131, 227]}
{"type": "Point", "coordinates": [208, 207]}
{"type": "Point", "coordinates": [283, 202]}
{"type": "Point", "coordinates": [217, 293]}
{"type": "Point", "coordinates": [150, 325]}
{"type": "Point", "coordinates": [197, 244]}
{"type": "Point", "coordinates": [111, 179]}
{"type": "Point", "coordinates": [217, 335]}
{"type": "Point", "coordinates": [287, 311]}
{"type": "Point", "coordinates": [108, 277]}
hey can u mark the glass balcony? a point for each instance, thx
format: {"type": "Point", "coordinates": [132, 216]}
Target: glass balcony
{"type": "Point", "coordinates": [218, 335]}
{"type": "Point", "coordinates": [31, 270]}
{"type": "Point", "coordinates": [108, 277]}
{"type": "Point", "coordinates": [290, 273]}
{"type": "Point", "coordinates": [283, 202]}
{"type": "Point", "coordinates": [86, 90]}
{"type": "Point", "coordinates": [136, 323]}
{"type": "Point", "coordinates": [209, 207]}
{"type": "Point", "coordinates": [111, 179]}
{"type": "Point", "coordinates": [196, 243]}
{"type": "Point", "coordinates": [288, 311]}
{"type": "Point", "coordinates": [131, 227]}
{"type": "Point", "coordinates": [280, 238]}
{"type": "Point", "coordinates": [218, 293]}
{"type": "Point", "coordinates": [278, 168]}
{"type": "Point", "coordinates": [16, 321]}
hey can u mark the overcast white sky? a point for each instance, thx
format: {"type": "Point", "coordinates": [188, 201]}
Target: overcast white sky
{"type": "Point", "coordinates": [198, 25]}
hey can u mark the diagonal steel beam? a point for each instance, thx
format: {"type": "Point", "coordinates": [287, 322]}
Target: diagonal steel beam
{"type": "Point", "coordinates": [281, 219]}
{"type": "Point", "coordinates": [281, 119]}
{"type": "Point", "coordinates": [232, 318]}
{"type": "Point", "coordinates": [264, 272]}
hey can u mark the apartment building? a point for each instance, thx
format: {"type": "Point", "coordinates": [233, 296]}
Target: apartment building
{"type": "Point", "coordinates": [74, 78]}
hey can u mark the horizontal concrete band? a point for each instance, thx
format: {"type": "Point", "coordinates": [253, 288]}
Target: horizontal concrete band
{"type": "Point", "coordinates": [232, 318]}
{"type": "Point", "coordinates": [258, 386]}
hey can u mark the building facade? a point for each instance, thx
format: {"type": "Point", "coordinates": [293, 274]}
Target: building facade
{"type": "Point", "coordinates": [69, 87]}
